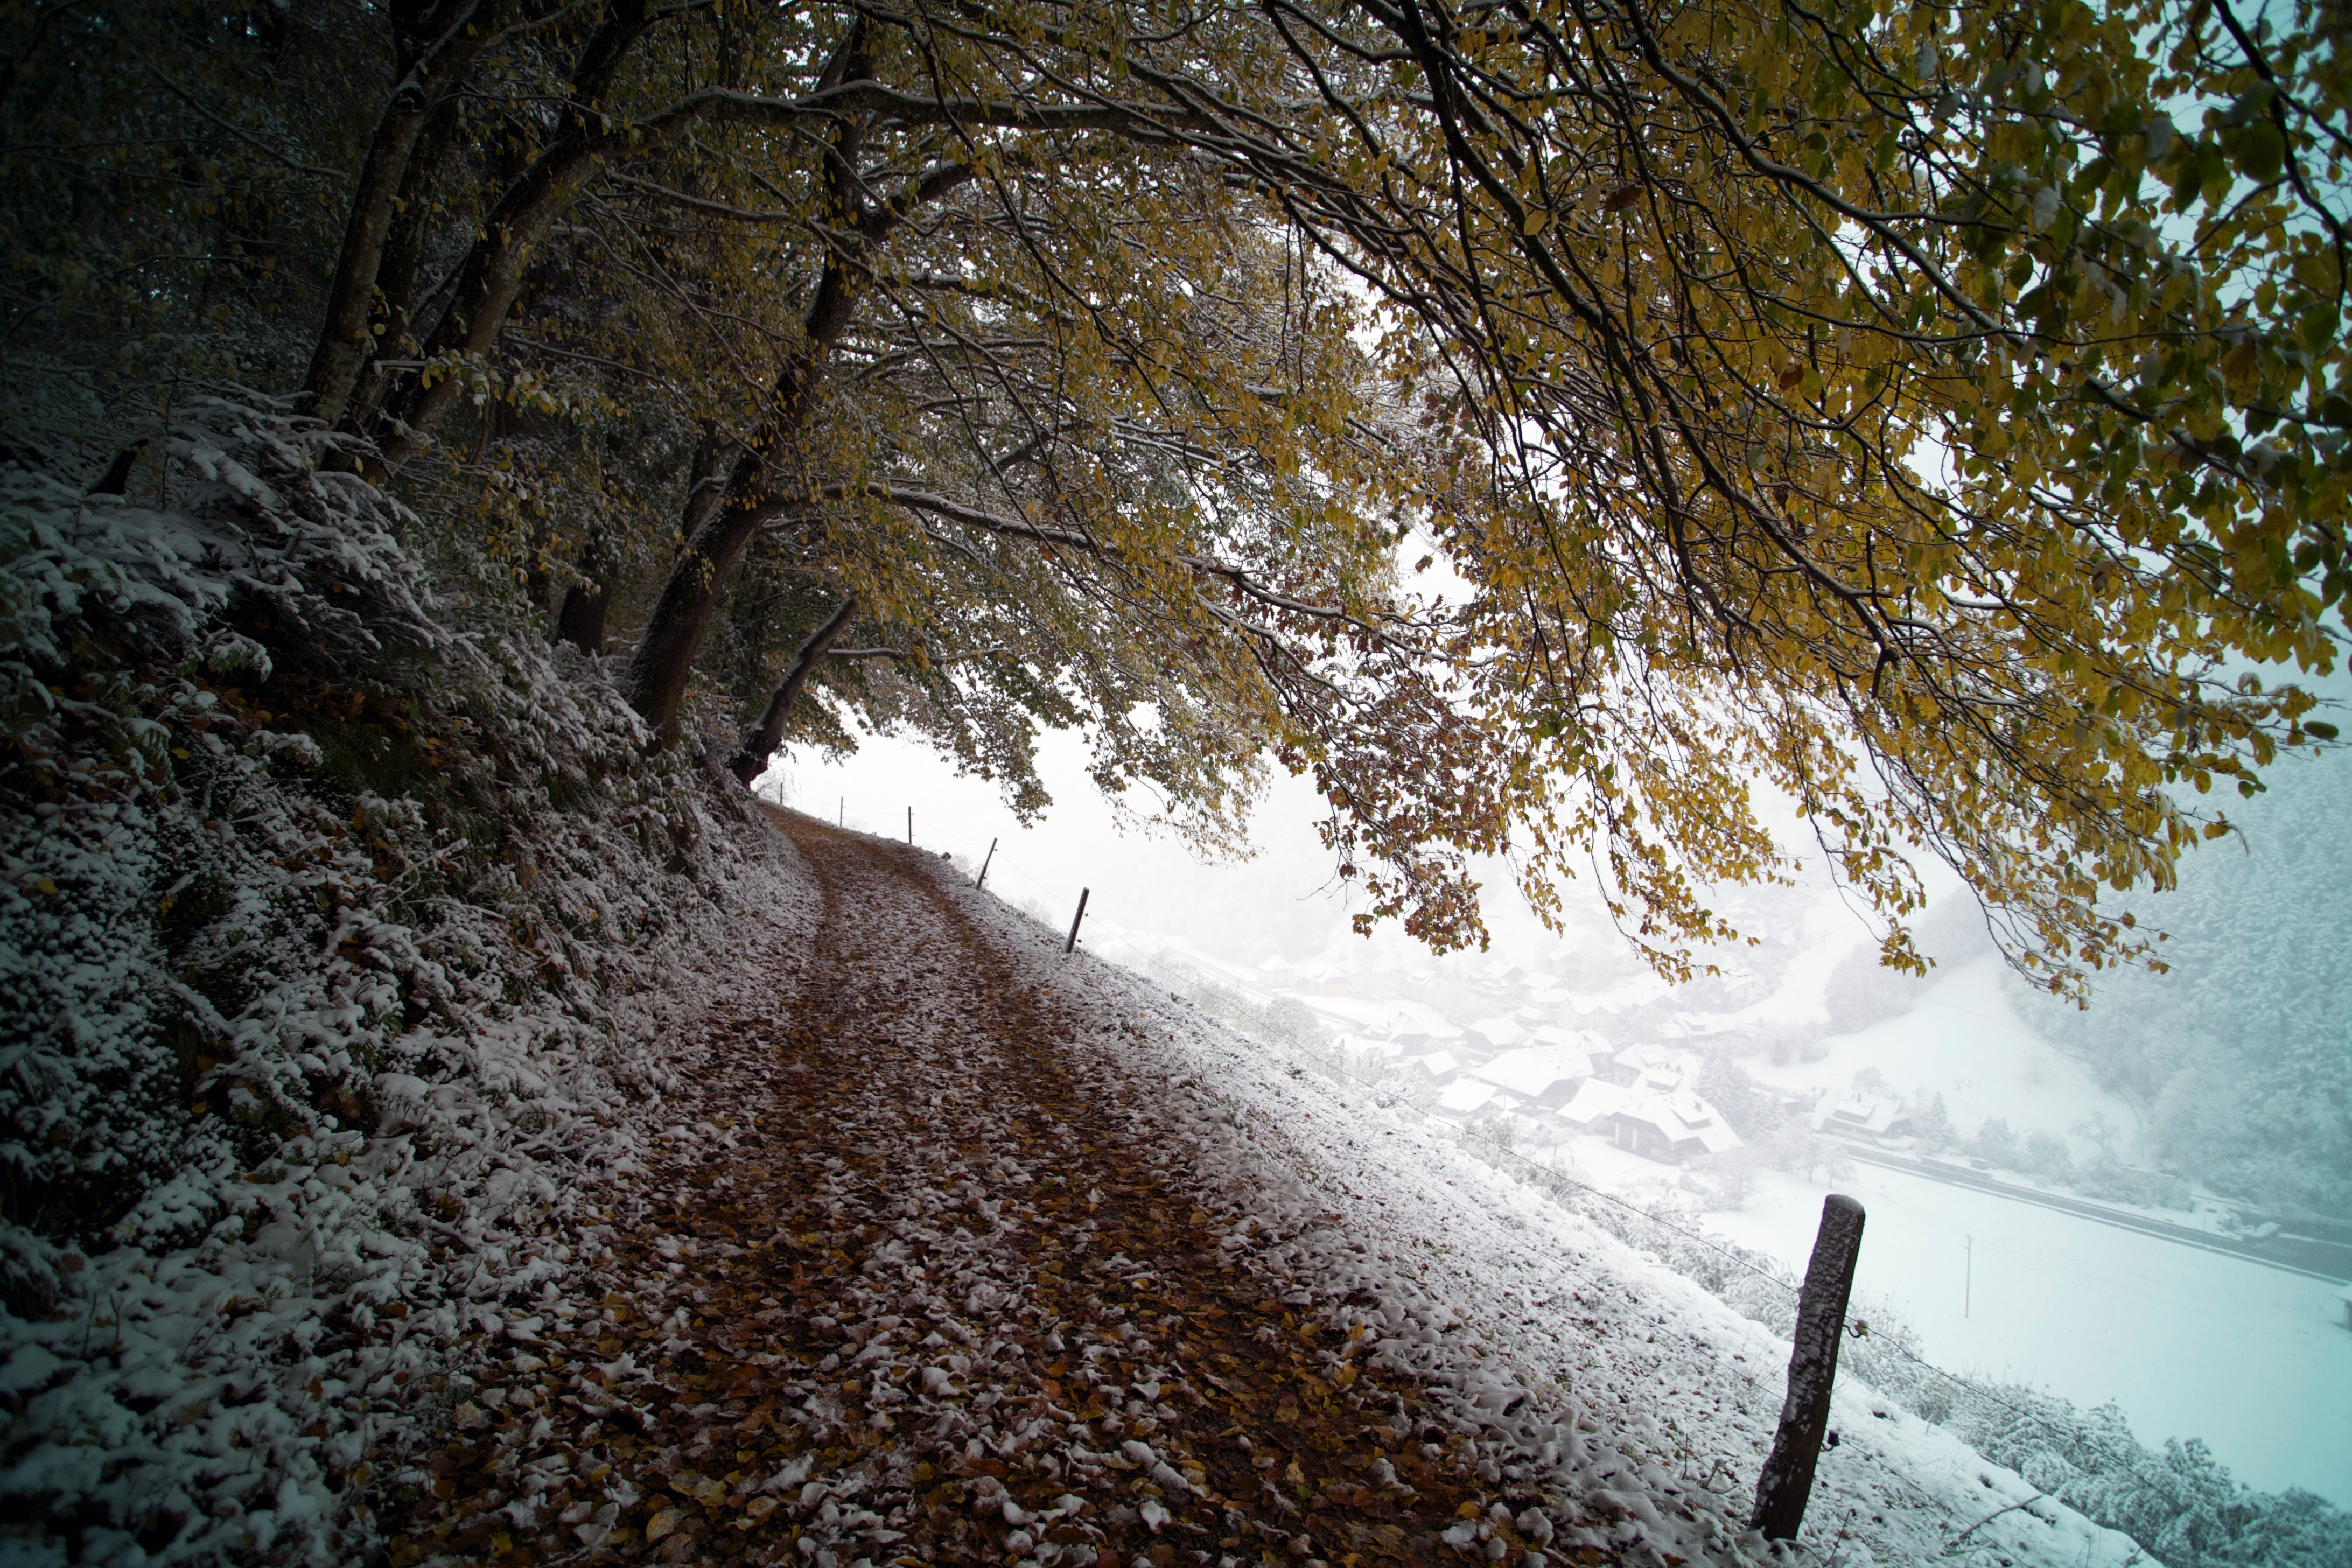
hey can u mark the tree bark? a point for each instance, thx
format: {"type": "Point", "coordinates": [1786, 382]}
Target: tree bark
{"type": "Point", "coordinates": [491, 278]}
{"type": "Point", "coordinates": [580, 618]}
{"type": "Point", "coordinates": [393, 328]}
{"type": "Point", "coordinates": [756, 494]}
{"type": "Point", "coordinates": [664, 659]}
{"type": "Point", "coordinates": [770, 476]}
{"type": "Point", "coordinates": [760, 740]}
{"type": "Point", "coordinates": [581, 621]}
{"type": "Point", "coordinates": [433, 42]}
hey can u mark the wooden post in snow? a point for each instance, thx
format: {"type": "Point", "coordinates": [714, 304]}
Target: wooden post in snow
{"type": "Point", "coordinates": [981, 881]}
{"type": "Point", "coordinates": [1788, 1481]}
{"type": "Point", "coordinates": [1071, 946]}
{"type": "Point", "coordinates": [910, 824]}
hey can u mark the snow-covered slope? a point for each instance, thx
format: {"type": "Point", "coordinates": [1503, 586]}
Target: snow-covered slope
{"type": "Point", "coordinates": [328, 969]}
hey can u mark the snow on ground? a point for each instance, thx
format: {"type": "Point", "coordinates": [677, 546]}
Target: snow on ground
{"type": "Point", "coordinates": [1659, 1399]}
{"type": "Point", "coordinates": [2252, 1360]}
{"type": "Point", "coordinates": [1964, 1040]}
{"type": "Point", "coordinates": [915, 1283]}
{"type": "Point", "coordinates": [306, 1044]}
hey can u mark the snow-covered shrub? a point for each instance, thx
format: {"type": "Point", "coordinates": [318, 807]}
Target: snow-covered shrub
{"type": "Point", "coordinates": [2046, 1155]}
{"type": "Point", "coordinates": [1931, 1122]}
{"type": "Point", "coordinates": [1996, 1145]}
{"type": "Point", "coordinates": [2176, 1500]}
{"type": "Point", "coordinates": [333, 940]}
{"type": "Point", "coordinates": [2107, 1178]}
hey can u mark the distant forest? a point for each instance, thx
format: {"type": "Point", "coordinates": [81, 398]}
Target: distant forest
{"type": "Point", "coordinates": [2240, 1059]}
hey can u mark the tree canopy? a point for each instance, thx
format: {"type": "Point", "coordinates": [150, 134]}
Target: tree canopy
{"type": "Point", "coordinates": [1933, 414]}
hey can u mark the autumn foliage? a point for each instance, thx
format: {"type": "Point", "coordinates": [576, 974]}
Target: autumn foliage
{"type": "Point", "coordinates": [1934, 415]}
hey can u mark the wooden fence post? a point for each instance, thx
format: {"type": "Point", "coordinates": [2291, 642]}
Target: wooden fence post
{"type": "Point", "coordinates": [983, 879]}
{"type": "Point", "coordinates": [1788, 1481]}
{"type": "Point", "coordinates": [1072, 945]}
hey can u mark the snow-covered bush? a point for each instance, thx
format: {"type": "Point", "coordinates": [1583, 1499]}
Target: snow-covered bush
{"type": "Point", "coordinates": [2178, 1502]}
{"type": "Point", "coordinates": [333, 939]}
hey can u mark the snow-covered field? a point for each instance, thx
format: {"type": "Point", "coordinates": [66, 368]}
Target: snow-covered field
{"type": "Point", "coordinates": [2254, 1361]}
{"type": "Point", "coordinates": [1965, 1041]}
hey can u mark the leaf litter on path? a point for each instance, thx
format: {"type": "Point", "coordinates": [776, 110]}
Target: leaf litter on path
{"type": "Point", "coordinates": [929, 1288]}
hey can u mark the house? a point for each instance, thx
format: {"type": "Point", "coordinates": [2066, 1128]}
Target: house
{"type": "Point", "coordinates": [1417, 1035]}
{"type": "Point", "coordinates": [1865, 1116]}
{"type": "Point", "coordinates": [1671, 1128]}
{"type": "Point", "coordinates": [1546, 1077]}
{"type": "Point", "coordinates": [1594, 1106]}
{"type": "Point", "coordinates": [1467, 1097]}
{"type": "Point", "coordinates": [1493, 1034]}
{"type": "Point", "coordinates": [1650, 1067]}
{"type": "Point", "coordinates": [1584, 1040]}
{"type": "Point", "coordinates": [1436, 1069]}
{"type": "Point", "coordinates": [1623, 1067]}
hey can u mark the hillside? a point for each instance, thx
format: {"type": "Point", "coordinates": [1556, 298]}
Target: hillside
{"type": "Point", "coordinates": [451, 1120]}
{"type": "Point", "coordinates": [962, 1250]}
{"type": "Point", "coordinates": [448, 448]}
{"type": "Point", "coordinates": [443, 1115]}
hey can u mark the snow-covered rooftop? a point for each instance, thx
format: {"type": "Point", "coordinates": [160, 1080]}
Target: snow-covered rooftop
{"type": "Point", "coordinates": [1500, 1033]}
{"type": "Point", "coordinates": [1533, 1072]}
{"type": "Point", "coordinates": [1465, 1097]}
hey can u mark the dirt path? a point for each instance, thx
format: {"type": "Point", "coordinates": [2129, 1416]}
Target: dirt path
{"type": "Point", "coordinates": [922, 1288]}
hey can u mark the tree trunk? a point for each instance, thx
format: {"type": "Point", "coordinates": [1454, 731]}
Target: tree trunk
{"type": "Point", "coordinates": [663, 660]}
{"type": "Point", "coordinates": [433, 42]}
{"type": "Point", "coordinates": [395, 329]}
{"type": "Point", "coordinates": [760, 740]}
{"type": "Point", "coordinates": [488, 287]}
{"type": "Point", "coordinates": [491, 278]}
{"type": "Point", "coordinates": [581, 621]}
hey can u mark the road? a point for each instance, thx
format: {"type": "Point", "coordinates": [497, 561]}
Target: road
{"type": "Point", "coordinates": [2294, 1254]}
